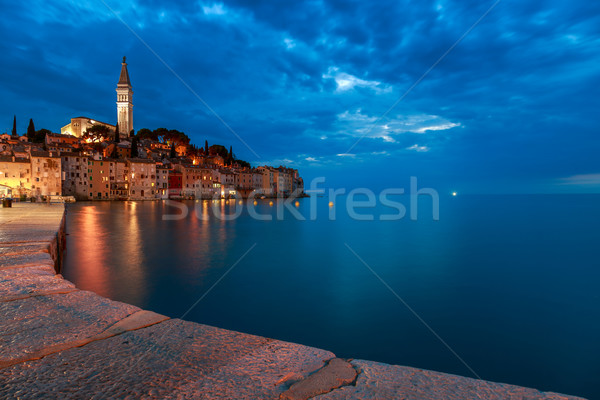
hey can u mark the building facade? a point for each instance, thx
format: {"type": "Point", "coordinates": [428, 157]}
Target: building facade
{"type": "Point", "coordinates": [46, 176]}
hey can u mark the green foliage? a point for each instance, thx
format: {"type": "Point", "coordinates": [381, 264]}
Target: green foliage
{"type": "Point", "coordinates": [243, 164]}
{"type": "Point", "coordinates": [14, 129]}
{"type": "Point", "coordinates": [117, 135]}
{"type": "Point", "coordinates": [40, 136]}
{"type": "Point", "coordinates": [97, 133]}
{"type": "Point", "coordinates": [134, 147]}
{"type": "Point", "coordinates": [115, 151]}
{"type": "Point", "coordinates": [30, 130]}
{"type": "Point", "coordinates": [217, 149]}
{"type": "Point", "coordinates": [229, 159]}
{"type": "Point", "coordinates": [164, 135]}
{"type": "Point", "coordinates": [173, 153]}
{"type": "Point", "coordinates": [145, 133]}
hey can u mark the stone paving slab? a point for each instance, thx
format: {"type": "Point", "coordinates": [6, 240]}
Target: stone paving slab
{"type": "Point", "coordinates": [173, 359]}
{"type": "Point", "coordinates": [21, 248]}
{"type": "Point", "coordinates": [18, 282]}
{"type": "Point", "coordinates": [383, 381]}
{"type": "Point", "coordinates": [22, 259]}
{"type": "Point", "coordinates": [35, 326]}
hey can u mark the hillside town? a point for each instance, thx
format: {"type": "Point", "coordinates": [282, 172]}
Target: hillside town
{"type": "Point", "coordinates": [94, 160]}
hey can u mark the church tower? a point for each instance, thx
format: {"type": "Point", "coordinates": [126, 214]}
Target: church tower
{"type": "Point", "coordinates": [124, 104]}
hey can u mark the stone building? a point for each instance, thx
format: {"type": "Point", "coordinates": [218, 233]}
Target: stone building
{"type": "Point", "coordinates": [119, 181]}
{"type": "Point", "coordinates": [15, 174]}
{"type": "Point", "coordinates": [75, 175]}
{"type": "Point", "coordinates": [79, 125]}
{"type": "Point", "coordinates": [142, 182]}
{"type": "Point", "coordinates": [162, 182]}
{"type": "Point", "coordinates": [46, 176]}
{"type": "Point", "coordinates": [100, 172]}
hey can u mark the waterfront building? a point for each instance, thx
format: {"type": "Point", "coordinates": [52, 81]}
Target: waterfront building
{"type": "Point", "coordinates": [244, 182]}
{"type": "Point", "coordinates": [142, 182]}
{"type": "Point", "coordinates": [257, 182]}
{"type": "Point", "coordinates": [15, 173]}
{"type": "Point", "coordinates": [282, 181]}
{"type": "Point", "coordinates": [75, 175]}
{"type": "Point", "coordinates": [268, 183]}
{"type": "Point", "coordinates": [99, 172]}
{"type": "Point", "coordinates": [46, 176]}
{"type": "Point", "coordinates": [162, 182]}
{"type": "Point", "coordinates": [175, 183]}
{"type": "Point", "coordinates": [119, 183]}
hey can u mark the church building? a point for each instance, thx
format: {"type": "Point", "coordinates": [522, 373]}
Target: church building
{"type": "Point", "coordinates": [79, 125]}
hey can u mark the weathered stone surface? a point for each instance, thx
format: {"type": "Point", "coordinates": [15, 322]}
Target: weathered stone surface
{"type": "Point", "coordinates": [383, 381]}
{"type": "Point", "coordinates": [37, 326]}
{"type": "Point", "coordinates": [335, 374]}
{"type": "Point", "coordinates": [173, 359]}
{"type": "Point", "coordinates": [16, 282]}
{"type": "Point", "coordinates": [17, 260]}
{"type": "Point", "coordinates": [19, 248]}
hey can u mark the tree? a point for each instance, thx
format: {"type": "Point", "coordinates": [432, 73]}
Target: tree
{"type": "Point", "coordinates": [173, 152]}
{"type": "Point", "coordinates": [218, 150]}
{"type": "Point", "coordinates": [160, 134]}
{"type": "Point", "coordinates": [146, 133]}
{"type": "Point", "coordinates": [132, 133]}
{"type": "Point", "coordinates": [117, 135]}
{"type": "Point", "coordinates": [115, 152]}
{"type": "Point", "coordinates": [206, 147]}
{"type": "Point", "coordinates": [31, 131]}
{"type": "Point", "coordinates": [14, 130]}
{"type": "Point", "coordinates": [244, 164]}
{"type": "Point", "coordinates": [230, 156]}
{"type": "Point", "coordinates": [96, 133]}
{"type": "Point", "coordinates": [134, 147]}
{"type": "Point", "coordinates": [40, 136]}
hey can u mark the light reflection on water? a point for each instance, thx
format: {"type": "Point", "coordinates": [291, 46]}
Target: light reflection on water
{"type": "Point", "coordinates": [510, 282]}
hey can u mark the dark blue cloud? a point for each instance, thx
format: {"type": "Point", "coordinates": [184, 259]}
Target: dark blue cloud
{"type": "Point", "coordinates": [512, 108]}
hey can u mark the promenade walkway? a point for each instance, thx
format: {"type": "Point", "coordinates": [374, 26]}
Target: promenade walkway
{"type": "Point", "coordinates": [57, 341]}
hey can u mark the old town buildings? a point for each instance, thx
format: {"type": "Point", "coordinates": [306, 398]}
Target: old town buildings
{"type": "Point", "coordinates": [89, 162]}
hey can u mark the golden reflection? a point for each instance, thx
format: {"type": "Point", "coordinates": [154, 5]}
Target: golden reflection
{"type": "Point", "coordinates": [93, 257]}
{"type": "Point", "coordinates": [132, 241]}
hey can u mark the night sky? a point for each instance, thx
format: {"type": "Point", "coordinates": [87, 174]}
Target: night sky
{"type": "Point", "coordinates": [512, 108]}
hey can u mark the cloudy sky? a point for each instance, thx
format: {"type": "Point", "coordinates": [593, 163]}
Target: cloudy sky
{"type": "Point", "coordinates": [473, 96]}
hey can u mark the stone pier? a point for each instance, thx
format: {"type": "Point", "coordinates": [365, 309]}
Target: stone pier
{"type": "Point", "coordinates": [58, 341]}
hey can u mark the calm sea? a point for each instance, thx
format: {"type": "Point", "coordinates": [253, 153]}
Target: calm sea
{"type": "Point", "coordinates": [510, 283]}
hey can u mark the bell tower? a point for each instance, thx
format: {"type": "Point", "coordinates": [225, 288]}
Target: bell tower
{"type": "Point", "coordinates": [124, 104]}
